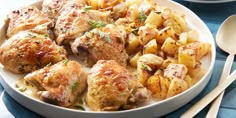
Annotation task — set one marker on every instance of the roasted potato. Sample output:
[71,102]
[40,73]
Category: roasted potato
[147,63]
[170,46]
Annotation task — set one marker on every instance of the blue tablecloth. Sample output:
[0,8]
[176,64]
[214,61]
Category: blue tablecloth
[213,15]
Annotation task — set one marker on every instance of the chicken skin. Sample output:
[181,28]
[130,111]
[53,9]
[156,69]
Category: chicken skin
[27,51]
[27,18]
[106,43]
[74,21]
[111,87]
[51,8]
[59,84]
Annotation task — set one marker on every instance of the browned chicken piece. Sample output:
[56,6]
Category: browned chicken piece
[59,84]
[27,18]
[111,87]
[27,51]
[52,7]
[75,20]
[107,43]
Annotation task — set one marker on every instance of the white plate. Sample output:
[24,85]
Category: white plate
[152,110]
[210,1]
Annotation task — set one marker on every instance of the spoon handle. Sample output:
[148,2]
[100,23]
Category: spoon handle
[209,97]
[212,113]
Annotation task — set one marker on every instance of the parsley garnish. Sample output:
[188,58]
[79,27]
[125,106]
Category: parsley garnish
[49,64]
[88,34]
[65,61]
[79,107]
[146,67]
[101,34]
[80,100]
[107,39]
[17,86]
[141,16]
[86,8]
[74,86]
[22,89]
[45,35]
[135,31]
[95,24]
[157,12]
[31,35]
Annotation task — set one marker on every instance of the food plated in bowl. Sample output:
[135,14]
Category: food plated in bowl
[155,50]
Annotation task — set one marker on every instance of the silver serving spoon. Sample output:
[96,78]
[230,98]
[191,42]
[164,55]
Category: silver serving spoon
[226,40]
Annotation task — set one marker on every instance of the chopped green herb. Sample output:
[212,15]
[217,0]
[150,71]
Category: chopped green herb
[74,86]
[101,34]
[65,61]
[135,31]
[88,34]
[31,35]
[79,107]
[107,39]
[80,100]
[45,35]
[136,75]
[157,12]
[95,24]
[17,86]
[22,89]
[146,67]
[86,8]
[49,64]
[141,17]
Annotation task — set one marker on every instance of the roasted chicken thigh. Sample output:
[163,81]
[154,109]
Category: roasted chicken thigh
[74,20]
[111,87]
[60,83]
[27,18]
[27,51]
[106,43]
[52,8]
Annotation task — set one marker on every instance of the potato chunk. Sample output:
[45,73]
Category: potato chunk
[170,46]
[147,64]
[178,71]
[187,57]
[151,47]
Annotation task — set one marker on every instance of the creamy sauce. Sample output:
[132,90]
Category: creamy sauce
[27,88]
[31,91]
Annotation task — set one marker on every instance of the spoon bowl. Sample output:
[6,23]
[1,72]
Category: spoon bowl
[226,35]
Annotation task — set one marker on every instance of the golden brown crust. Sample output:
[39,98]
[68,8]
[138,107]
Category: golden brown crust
[59,84]
[111,87]
[27,51]
[73,21]
[27,18]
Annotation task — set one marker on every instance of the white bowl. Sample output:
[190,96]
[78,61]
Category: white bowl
[153,110]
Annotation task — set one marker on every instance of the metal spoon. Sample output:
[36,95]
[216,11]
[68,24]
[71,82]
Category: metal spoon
[226,40]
